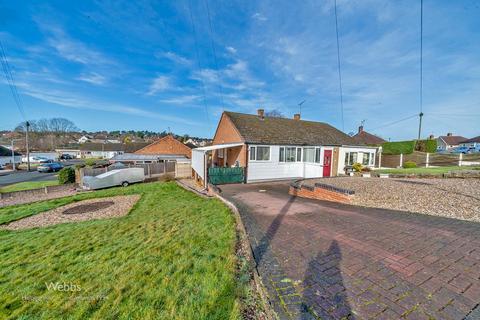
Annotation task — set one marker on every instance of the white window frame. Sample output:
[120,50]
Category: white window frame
[309,148]
[280,154]
[254,153]
[347,158]
[301,154]
[294,154]
[319,150]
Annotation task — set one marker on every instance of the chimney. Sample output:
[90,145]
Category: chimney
[360,129]
[449,134]
[261,113]
[296,116]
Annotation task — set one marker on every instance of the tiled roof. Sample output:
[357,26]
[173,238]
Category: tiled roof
[364,137]
[475,139]
[453,140]
[125,147]
[282,131]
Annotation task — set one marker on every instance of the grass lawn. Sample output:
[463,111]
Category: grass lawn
[28,185]
[172,256]
[439,170]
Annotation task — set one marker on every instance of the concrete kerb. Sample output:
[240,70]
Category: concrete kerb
[262,291]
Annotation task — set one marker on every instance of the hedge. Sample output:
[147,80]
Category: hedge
[407,147]
[398,147]
[66,175]
[429,146]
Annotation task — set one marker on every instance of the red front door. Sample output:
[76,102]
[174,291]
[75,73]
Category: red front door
[327,162]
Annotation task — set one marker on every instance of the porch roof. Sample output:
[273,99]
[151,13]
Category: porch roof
[218,146]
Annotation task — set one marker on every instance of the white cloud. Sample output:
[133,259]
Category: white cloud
[93,78]
[70,100]
[72,49]
[232,50]
[159,84]
[259,16]
[188,99]
[178,59]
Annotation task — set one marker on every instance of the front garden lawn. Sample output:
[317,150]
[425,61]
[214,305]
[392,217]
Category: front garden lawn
[431,170]
[28,185]
[171,257]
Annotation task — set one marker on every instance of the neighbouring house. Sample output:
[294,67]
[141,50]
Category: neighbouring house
[449,142]
[100,150]
[362,137]
[269,148]
[471,143]
[167,145]
[134,158]
[84,139]
[7,158]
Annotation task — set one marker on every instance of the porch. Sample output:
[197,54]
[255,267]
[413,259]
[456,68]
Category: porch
[219,164]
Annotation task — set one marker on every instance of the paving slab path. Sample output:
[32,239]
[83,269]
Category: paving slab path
[333,261]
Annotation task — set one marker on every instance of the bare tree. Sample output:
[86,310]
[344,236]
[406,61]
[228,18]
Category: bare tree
[274,113]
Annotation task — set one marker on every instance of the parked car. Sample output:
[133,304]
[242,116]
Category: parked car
[117,177]
[50,167]
[66,157]
[461,150]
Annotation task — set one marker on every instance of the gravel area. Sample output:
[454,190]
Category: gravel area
[454,198]
[26,197]
[91,209]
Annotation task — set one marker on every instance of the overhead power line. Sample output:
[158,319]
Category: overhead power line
[214,51]
[339,67]
[388,124]
[197,54]
[11,82]
[421,72]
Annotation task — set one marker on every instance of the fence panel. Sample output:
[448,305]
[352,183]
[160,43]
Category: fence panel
[225,175]
[443,160]
[183,170]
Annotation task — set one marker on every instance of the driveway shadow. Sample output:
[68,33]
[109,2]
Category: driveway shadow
[267,238]
[324,292]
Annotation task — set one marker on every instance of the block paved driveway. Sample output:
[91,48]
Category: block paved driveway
[332,261]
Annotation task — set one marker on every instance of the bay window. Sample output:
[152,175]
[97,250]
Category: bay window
[260,153]
[290,154]
[309,154]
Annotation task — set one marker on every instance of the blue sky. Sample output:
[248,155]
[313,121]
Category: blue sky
[112,65]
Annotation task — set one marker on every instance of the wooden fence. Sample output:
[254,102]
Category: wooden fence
[423,159]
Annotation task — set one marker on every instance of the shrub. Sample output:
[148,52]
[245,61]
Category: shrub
[66,175]
[409,164]
[357,167]
[398,147]
[429,146]
[90,162]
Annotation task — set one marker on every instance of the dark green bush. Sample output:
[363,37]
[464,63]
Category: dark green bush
[66,175]
[398,147]
[90,162]
[409,164]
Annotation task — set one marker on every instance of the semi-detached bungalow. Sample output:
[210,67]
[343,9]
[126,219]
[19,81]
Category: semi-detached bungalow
[270,148]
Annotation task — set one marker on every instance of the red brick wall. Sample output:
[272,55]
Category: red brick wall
[166,145]
[320,194]
[227,133]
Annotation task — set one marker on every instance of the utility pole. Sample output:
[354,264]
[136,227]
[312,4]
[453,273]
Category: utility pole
[27,124]
[13,157]
[420,126]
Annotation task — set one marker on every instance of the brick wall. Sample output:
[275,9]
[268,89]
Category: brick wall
[319,193]
[227,133]
[166,145]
